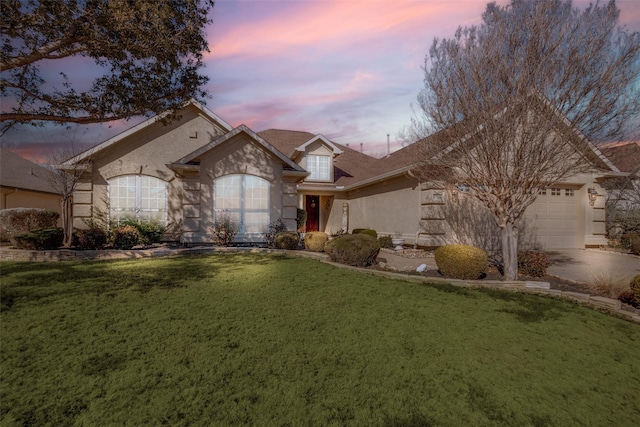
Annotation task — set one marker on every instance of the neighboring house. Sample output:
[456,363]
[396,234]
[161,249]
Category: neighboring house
[190,171]
[624,192]
[24,184]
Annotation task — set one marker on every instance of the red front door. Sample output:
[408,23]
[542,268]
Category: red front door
[312,206]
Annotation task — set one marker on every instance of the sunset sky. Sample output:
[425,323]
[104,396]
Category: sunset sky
[348,69]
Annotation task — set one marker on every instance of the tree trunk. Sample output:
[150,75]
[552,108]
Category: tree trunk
[67,220]
[510,250]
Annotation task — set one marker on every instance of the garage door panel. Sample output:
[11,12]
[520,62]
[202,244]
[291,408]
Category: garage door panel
[554,219]
[555,208]
[541,208]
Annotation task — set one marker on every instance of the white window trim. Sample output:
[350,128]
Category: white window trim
[311,158]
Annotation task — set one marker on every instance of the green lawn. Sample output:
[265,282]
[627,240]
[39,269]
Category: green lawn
[268,340]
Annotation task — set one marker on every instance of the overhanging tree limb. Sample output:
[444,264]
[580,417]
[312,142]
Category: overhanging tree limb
[149,54]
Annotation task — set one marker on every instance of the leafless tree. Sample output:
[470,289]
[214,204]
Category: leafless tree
[65,181]
[511,104]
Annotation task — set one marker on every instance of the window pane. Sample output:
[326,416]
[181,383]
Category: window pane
[245,198]
[255,222]
[138,196]
[318,167]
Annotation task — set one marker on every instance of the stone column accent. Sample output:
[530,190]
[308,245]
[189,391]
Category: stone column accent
[83,203]
[432,218]
[595,221]
[345,217]
[289,205]
[191,204]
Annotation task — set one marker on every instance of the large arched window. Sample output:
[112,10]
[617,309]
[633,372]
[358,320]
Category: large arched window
[245,198]
[138,196]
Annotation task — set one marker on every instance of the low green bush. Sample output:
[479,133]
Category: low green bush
[632,296]
[461,261]
[301,218]
[47,238]
[359,250]
[272,231]
[287,240]
[372,233]
[125,237]
[386,242]
[314,241]
[150,230]
[20,220]
[89,239]
[533,263]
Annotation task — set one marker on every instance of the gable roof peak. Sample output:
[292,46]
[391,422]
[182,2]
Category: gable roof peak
[140,126]
[232,133]
[319,137]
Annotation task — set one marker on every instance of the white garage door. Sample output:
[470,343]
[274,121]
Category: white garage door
[554,218]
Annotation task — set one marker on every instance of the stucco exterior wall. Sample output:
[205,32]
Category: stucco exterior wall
[146,152]
[237,156]
[389,207]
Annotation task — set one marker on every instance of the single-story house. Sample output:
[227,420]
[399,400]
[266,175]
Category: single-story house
[190,171]
[24,184]
[624,192]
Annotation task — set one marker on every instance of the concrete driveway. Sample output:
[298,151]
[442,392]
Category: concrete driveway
[580,265]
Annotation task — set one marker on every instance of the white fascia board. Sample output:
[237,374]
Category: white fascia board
[377,178]
[324,141]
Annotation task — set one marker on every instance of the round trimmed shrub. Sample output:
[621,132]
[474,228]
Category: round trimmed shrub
[635,287]
[358,250]
[632,296]
[314,241]
[46,238]
[287,240]
[125,237]
[372,233]
[461,261]
[89,239]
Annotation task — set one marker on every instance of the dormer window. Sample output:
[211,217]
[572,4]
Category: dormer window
[319,167]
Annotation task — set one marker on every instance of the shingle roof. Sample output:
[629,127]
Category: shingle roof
[625,155]
[349,167]
[18,172]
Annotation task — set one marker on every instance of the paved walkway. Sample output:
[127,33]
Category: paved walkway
[584,265]
[576,265]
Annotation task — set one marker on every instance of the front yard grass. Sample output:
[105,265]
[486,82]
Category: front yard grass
[265,339]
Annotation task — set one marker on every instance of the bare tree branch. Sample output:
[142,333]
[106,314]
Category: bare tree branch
[509,103]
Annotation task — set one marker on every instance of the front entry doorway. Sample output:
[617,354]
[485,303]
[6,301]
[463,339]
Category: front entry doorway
[312,206]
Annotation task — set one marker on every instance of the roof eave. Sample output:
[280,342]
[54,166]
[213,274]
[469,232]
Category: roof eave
[378,178]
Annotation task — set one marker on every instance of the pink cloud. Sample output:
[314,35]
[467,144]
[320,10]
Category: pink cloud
[330,25]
